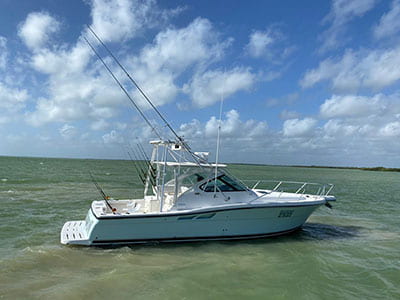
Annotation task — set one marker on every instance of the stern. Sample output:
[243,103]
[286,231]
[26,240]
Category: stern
[74,233]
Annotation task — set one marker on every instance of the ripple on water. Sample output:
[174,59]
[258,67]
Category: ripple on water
[350,252]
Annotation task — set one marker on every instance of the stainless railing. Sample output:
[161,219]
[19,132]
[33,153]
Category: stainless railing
[292,187]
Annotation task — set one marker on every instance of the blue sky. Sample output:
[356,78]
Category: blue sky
[303,82]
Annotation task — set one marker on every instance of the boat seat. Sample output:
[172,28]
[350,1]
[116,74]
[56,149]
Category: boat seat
[132,207]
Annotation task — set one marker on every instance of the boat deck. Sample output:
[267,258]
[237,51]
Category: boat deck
[151,205]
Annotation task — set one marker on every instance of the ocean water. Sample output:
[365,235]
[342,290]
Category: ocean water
[349,252]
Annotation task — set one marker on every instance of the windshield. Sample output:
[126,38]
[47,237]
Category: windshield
[188,178]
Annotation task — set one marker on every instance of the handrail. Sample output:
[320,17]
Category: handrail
[324,189]
[254,186]
[276,187]
[300,188]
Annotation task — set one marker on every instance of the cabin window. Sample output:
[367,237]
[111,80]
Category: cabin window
[224,184]
[192,179]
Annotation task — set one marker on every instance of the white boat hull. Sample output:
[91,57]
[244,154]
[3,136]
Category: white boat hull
[231,223]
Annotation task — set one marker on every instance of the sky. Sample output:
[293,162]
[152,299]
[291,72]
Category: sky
[300,82]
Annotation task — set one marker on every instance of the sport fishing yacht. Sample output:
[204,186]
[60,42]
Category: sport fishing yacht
[186,198]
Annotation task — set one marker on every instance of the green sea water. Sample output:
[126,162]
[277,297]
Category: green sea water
[350,252]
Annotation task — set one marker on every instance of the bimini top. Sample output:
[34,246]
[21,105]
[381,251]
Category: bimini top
[189,164]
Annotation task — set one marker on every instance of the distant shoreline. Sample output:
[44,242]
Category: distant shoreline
[380,169]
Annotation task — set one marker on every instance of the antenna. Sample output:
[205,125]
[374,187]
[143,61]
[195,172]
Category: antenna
[218,142]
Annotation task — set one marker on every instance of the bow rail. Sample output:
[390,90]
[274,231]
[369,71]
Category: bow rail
[296,187]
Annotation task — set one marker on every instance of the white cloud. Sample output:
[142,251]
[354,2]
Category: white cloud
[3,52]
[37,29]
[374,69]
[299,127]
[62,61]
[172,53]
[121,126]
[99,125]
[207,88]
[389,23]
[113,137]
[342,12]
[336,128]
[238,137]
[391,129]
[12,99]
[232,127]
[289,114]
[75,89]
[176,49]
[352,106]
[270,45]
[160,87]
[259,43]
[338,142]
[119,19]
[192,130]
[116,20]
[355,121]
[68,131]
[346,141]
[187,62]
[78,90]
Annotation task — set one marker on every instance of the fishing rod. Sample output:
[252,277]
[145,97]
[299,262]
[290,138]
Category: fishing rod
[141,149]
[144,166]
[105,197]
[125,91]
[147,162]
[137,169]
[140,160]
[151,171]
[136,85]
[179,138]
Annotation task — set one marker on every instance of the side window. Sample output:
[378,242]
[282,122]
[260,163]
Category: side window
[224,184]
[234,184]
[221,186]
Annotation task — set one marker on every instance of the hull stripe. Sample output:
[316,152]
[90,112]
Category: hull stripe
[192,239]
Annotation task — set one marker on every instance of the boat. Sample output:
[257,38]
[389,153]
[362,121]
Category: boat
[187,198]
